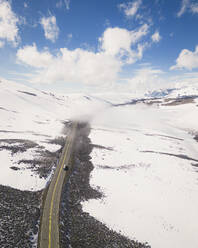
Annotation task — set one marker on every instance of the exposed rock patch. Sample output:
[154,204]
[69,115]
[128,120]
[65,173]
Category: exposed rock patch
[19,217]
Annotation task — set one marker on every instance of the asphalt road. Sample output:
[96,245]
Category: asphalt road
[49,229]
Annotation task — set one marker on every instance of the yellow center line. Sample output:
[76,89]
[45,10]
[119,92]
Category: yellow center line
[53,195]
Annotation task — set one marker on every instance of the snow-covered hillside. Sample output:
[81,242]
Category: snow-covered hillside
[29,120]
[121,98]
[145,155]
[146,162]
[30,123]
[184,91]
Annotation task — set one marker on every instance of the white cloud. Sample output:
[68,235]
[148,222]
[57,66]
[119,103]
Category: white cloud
[59,4]
[187,60]
[31,56]
[118,42]
[118,47]
[66,3]
[185,80]
[188,6]
[99,69]
[131,8]
[184,7]
[69,36]
[156,37]
[2,44]
[78,66]
[50,27]
[150,79]
[8,23]
[146,79]
[194,8]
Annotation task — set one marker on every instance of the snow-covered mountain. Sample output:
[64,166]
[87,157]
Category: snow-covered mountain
[173,92]
[114,98]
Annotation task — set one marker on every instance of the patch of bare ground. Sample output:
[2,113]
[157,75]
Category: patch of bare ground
[178,101]
[102,147]
[77,228]
[22,132]
[16,145]
[165,136]
[27,93]
[2,108]
[123,167]
[195,165]
[19,217]
[152,102]
[182,156]
[196,137]
[44,159]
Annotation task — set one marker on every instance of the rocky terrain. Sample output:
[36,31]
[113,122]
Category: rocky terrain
[19,217]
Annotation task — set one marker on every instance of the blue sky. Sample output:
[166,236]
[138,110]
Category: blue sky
[99,45]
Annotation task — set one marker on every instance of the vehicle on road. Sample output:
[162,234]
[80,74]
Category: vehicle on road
[66,168]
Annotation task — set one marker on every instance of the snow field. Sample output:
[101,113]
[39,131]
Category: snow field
[150,194]
[35,116]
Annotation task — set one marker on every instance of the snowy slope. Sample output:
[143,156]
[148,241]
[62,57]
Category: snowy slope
[174,92]
[33,119]
[148,172]
[27,115]
[185,91]
[120,98]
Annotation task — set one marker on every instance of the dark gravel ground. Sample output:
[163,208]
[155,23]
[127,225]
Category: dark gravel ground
[19,217]
[77,228]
